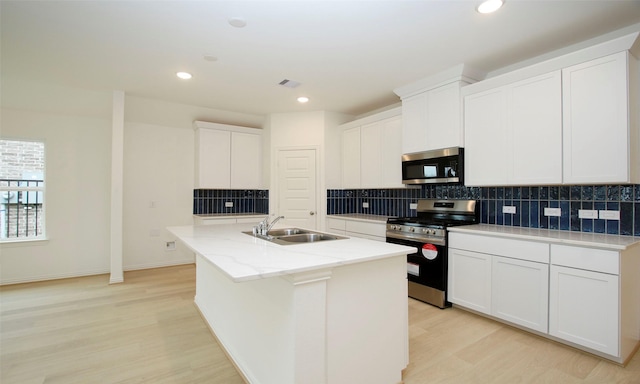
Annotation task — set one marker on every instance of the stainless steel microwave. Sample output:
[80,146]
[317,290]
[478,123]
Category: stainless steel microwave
[431,167]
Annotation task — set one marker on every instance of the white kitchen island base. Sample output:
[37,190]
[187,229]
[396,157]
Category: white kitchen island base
[341,325]
[328,312]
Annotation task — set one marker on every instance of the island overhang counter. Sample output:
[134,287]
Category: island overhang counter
[324,312]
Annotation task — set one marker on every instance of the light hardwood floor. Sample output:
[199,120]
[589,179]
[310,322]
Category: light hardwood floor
[147,330]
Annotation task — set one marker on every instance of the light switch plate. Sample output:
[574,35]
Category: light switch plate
[228,204]
[413,205]
[610,215]
[508,209]
[552,212]
[365,205]
[587,214]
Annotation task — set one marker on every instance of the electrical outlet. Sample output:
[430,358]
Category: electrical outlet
[365,205]
[170,246]
[587,214]
[508,209]
[413,205]
[610,215]
[228,204]
[552,212]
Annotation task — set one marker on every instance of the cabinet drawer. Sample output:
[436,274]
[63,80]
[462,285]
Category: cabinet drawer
[373,229]
[517,249]
[336,224]
[589,259]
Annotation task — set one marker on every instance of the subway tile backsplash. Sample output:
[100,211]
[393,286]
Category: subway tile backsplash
[529,202]
[209,201]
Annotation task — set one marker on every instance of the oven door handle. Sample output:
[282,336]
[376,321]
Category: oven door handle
[417,238]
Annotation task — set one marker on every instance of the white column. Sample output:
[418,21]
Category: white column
[117,167]
[310,326]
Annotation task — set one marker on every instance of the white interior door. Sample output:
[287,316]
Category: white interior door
[297,200]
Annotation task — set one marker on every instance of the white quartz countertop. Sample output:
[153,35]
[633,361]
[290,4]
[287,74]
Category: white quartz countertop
[244,257]
[593,240]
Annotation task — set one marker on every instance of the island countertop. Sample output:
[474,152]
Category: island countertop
[243,257]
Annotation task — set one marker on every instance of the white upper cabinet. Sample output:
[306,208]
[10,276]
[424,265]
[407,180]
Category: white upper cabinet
[574,123]
[596,119]
[431,119]
[372,152]
[514,133]
[351,158]
[227,157]
[432,110]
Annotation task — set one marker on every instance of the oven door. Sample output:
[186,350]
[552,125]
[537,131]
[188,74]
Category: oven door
[426,271]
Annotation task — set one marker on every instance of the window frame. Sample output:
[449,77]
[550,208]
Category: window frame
[23,186]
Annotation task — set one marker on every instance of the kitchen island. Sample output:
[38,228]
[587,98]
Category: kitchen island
[324,312]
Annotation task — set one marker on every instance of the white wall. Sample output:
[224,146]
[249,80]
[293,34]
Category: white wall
[158,180]
[77,152]
[314,129]
[158,167]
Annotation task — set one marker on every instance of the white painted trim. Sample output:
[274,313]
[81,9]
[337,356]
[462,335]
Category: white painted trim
[117,177]
[33,279]
[162,264]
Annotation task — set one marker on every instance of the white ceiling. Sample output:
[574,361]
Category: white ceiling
[348,55]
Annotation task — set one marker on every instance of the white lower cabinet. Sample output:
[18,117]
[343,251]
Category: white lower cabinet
[584,308]
[470,280]
[584,302]
[504,278]
[371,230]
[584,296]
[519,292]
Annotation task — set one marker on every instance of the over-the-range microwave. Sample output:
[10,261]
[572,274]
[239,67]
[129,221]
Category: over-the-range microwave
[431,167]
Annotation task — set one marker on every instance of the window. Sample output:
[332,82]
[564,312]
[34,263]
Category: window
[21,190]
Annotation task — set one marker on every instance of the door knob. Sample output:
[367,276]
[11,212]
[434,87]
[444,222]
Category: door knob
[312,213]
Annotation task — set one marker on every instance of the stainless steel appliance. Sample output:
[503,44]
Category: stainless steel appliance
[427,233]
[437,166]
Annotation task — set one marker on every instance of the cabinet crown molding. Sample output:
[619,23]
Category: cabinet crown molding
[550,62]
[460,72]
[197,124]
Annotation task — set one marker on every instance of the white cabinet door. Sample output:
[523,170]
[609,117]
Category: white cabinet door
[351,158]
[444,127]
[485,138]
[520,292]
[431,119]
[583,308]
[213,158]
[534,128]
[246,161]
[414,123]
[371,149]
[595,121]
[469,280]
[513,133]
[391,142]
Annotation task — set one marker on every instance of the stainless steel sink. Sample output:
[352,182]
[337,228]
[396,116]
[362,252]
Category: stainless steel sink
[291,236]
[285,232]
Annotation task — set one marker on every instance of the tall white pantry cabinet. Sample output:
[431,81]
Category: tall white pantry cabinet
[227,156]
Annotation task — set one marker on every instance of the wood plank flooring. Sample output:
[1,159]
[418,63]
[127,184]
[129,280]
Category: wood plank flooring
[147,330]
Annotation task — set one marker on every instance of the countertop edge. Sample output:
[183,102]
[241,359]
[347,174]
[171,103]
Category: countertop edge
[591,240]
[360,217]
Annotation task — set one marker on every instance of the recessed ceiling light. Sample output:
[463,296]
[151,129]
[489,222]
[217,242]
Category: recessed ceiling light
[237,22]
[184,75]
[489,6]
[303,99]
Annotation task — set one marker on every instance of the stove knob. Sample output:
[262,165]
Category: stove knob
[412,229]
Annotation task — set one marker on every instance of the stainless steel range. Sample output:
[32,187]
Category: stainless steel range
[427,232]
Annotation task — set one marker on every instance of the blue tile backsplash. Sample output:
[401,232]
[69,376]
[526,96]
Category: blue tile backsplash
[529,202]
[208,201]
